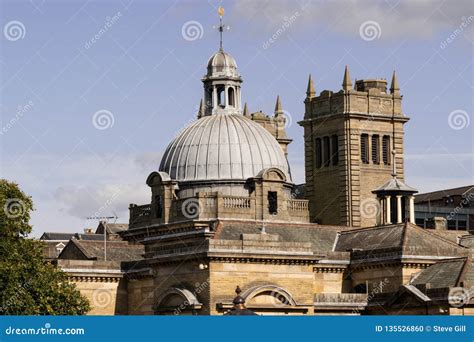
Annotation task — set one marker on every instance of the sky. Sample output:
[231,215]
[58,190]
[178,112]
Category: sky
[93,91]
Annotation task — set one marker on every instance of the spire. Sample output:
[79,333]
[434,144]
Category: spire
[278,106]
[310,92]
[346,83]
[201,109]
[394,88]
[246,110]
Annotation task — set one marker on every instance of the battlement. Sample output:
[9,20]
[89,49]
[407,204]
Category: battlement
[367,97]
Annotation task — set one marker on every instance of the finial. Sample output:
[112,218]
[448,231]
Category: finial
[394,88]
[221,12]
[310,92]
[238,290]
[246,110]
[278,106]
[346,83]
[201,109]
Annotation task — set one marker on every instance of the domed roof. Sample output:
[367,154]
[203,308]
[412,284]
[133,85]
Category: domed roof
[222,147]
[222,64]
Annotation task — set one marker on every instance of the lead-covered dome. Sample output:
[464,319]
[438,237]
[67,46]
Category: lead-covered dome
[222,64]
[222,147]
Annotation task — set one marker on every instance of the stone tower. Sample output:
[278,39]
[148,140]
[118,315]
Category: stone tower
[349,138]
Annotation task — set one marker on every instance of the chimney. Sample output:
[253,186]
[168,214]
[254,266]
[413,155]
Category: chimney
[438,223]
[88,231]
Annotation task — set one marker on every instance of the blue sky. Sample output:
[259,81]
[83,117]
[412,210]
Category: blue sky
[144,70]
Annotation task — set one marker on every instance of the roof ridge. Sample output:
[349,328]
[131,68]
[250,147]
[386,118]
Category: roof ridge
[370,228]
[463,272]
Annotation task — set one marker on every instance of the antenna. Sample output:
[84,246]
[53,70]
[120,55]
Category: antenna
[106,220]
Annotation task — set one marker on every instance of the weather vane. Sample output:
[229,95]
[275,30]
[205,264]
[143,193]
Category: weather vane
[221,27]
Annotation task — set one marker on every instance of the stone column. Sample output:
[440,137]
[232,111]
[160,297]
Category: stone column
[399,209]
[381,218]
[226,96]
[388,219]
[237,98]
[412,208]
[214,98]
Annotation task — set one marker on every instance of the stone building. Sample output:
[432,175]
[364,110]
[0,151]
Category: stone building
[455,205]
[223,213]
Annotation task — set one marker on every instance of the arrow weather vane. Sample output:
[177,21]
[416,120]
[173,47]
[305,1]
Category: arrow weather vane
[221,27]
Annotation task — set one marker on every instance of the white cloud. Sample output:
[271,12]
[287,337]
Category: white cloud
[67,190]
[404,18]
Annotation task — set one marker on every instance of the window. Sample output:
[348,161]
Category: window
[273,202]
[209,97]
[220,96]
[386,149]
[360,288]
[462,225]
[158,207]
[451,224]
[230,95]
[375,149]
[335,150]
[327,151]
[420,222]
[364,148]
[317,147]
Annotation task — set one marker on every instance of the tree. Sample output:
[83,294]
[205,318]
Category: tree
[29,285]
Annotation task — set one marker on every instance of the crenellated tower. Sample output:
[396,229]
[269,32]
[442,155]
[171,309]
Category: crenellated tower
[349,137]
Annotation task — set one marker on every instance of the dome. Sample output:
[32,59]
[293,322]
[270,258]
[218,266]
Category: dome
[222,64]
[222,147]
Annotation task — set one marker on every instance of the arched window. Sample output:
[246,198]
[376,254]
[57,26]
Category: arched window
[327,151]
[209,97]
[317,147]
[231,97]
[220,96]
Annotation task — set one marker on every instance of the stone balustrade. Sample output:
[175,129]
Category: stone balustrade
[297,204]
[236,202]
[140,213]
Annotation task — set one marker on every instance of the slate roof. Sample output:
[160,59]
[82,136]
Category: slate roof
[56,236]
[440,194]
[447,273]
[52,236]
[394,184]
[408,238]
[112,228]
[94,250]
[321,237]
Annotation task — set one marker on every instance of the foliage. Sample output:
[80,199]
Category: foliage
[30,285]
